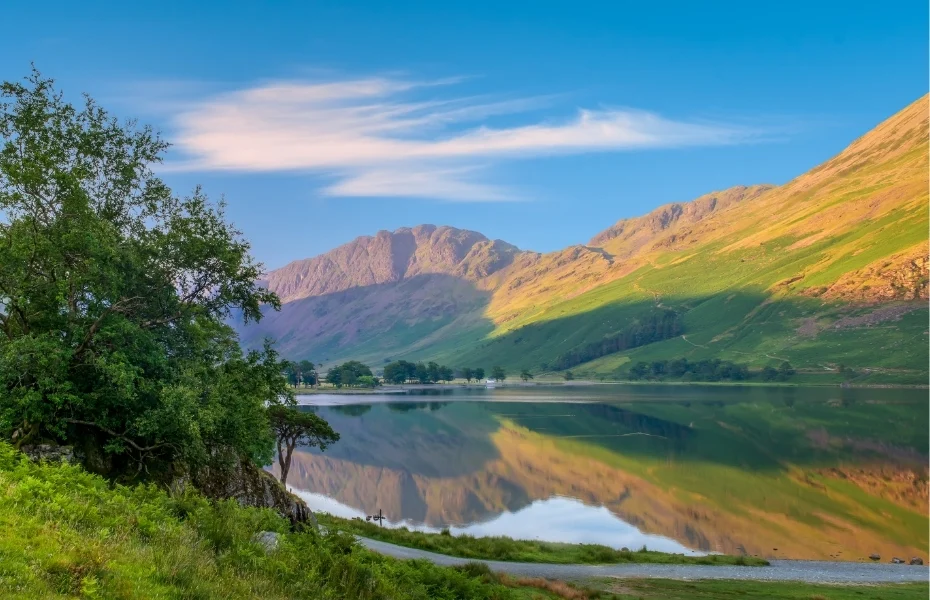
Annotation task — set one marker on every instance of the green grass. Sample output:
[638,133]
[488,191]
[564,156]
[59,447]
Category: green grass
[669,589]
[507,549]
[70,534]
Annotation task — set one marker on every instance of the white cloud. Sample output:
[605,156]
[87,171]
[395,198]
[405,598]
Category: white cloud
[379,137]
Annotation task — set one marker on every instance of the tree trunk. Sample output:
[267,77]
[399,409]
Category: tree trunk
[286,463]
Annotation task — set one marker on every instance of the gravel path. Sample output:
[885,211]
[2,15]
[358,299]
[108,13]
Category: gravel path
[780,570]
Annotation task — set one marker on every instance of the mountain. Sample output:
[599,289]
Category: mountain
[828,268]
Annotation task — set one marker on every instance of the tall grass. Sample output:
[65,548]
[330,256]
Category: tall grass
[67,534]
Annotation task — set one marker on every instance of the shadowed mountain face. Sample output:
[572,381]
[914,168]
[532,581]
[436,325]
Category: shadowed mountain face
[825,248]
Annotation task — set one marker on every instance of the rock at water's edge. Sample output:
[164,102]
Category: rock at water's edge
[875,556]
[917,560]
[897,561]
[252,486]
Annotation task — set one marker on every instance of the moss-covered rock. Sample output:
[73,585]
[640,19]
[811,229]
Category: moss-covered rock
[252,486]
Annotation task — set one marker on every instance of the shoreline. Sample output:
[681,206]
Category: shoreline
[403,389]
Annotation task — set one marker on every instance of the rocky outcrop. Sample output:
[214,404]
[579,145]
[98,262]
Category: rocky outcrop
[903,276]
[49,453]
[251,486]
[390,257]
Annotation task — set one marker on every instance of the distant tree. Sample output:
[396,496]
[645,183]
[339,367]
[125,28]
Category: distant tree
[639,370]
[348,373]
[289,370]
[433,371]
[467,374]
[769,373]
[498,373]
[308,369]
[568,375]
[367,381]
[422,373]
[525,375]
[446,374]
[292,427]
[652,327]
[334,377]
[785,371]
[399,371]
[479,374]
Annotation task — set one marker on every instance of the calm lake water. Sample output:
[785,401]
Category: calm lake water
[777,472]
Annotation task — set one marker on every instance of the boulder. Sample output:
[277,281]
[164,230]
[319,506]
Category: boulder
[252,486]
[917,560]
[875,556]
[897,561]
[49,453]
[268,540]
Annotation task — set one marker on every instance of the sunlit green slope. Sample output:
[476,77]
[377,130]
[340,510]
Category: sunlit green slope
[830,268]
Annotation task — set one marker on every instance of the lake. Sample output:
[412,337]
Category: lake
[815,473]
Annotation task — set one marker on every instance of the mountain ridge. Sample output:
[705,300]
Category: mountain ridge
[848,233]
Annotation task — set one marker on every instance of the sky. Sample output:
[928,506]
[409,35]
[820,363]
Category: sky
[539,123]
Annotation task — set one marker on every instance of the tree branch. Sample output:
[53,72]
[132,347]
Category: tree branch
[117,307]
[119,435]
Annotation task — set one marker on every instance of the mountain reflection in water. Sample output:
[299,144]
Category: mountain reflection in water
[554,520]
[815,473]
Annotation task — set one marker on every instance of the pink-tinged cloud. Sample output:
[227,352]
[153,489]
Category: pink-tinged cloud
[377,141]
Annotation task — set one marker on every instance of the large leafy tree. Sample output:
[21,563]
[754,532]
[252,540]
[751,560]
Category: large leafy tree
[114,296]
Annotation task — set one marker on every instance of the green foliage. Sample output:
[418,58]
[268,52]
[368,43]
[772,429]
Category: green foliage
[300,373]
[657,326]
[525,375]
[349,374]
[702,370]
[568,376]
[479,373]
[402,371]
[68,533]
[115,296]
[498,373]
[507,549]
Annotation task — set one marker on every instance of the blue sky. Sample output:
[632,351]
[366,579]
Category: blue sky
[540,123]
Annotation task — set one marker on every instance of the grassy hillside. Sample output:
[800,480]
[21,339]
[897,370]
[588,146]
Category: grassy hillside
[829,268]
[69,534]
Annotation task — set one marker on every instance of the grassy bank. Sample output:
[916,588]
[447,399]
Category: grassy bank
[503,548]
[69,534]
[669,589]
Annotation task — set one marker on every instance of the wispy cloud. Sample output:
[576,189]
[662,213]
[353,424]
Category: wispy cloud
[393,137]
